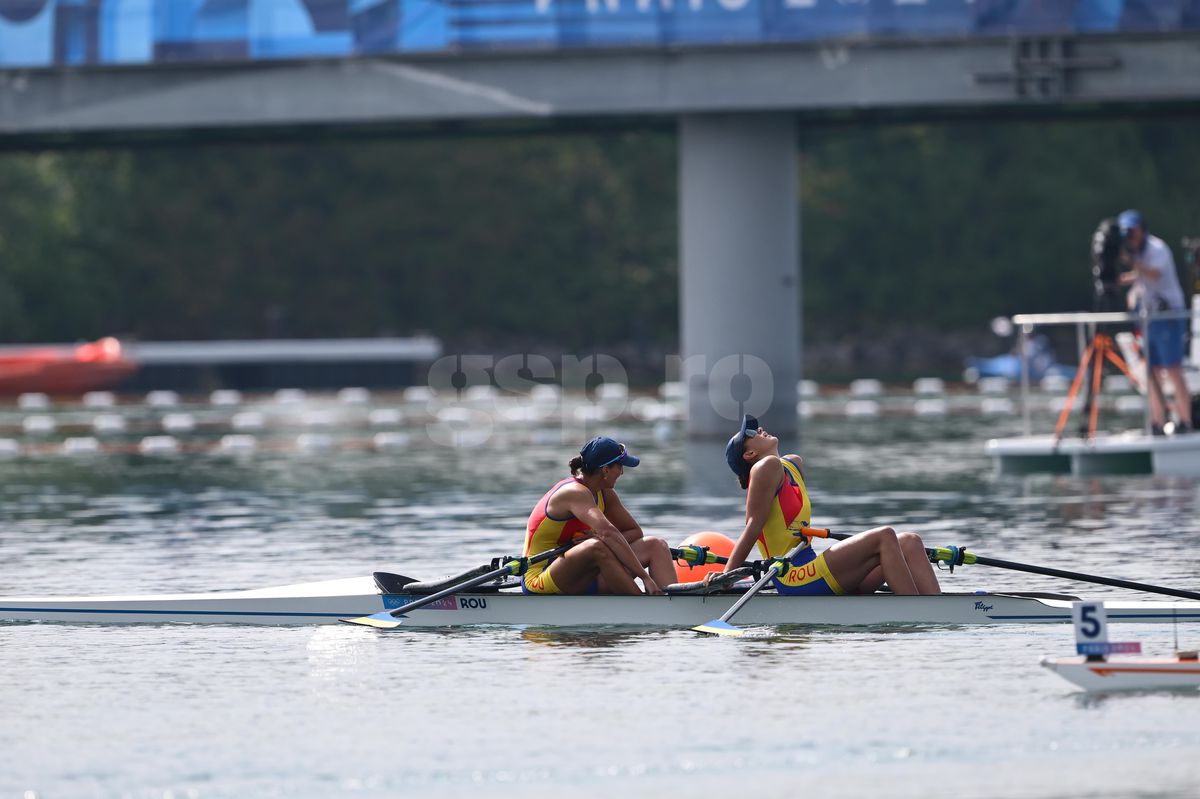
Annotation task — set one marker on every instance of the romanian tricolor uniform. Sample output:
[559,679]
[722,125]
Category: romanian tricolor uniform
[545,532]
[790,512]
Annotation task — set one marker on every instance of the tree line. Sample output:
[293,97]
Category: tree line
[563,242]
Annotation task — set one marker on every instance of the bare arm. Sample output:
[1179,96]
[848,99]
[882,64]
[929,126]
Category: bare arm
[578,500]
[1150,272]
[621,518]
[764,483]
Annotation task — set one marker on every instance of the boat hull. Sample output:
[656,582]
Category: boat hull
[327,602]
[63,370]
[1127,675]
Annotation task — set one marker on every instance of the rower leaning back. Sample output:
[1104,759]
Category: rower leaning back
[777,509]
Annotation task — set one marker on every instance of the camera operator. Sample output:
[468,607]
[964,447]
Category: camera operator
[1155,287]
[1107,247]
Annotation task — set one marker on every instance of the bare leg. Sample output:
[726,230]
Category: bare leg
[918,566]
[655,555]
[1154,391]
[872,582]
[574,570]
[852,561]
[1183,399]
[918,563]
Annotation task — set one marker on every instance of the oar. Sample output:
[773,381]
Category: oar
[957,556]
[722,626]
[391,619]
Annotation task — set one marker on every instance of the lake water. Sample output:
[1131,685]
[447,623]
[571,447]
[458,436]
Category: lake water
[224,711]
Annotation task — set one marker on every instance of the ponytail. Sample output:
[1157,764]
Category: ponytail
[576,465]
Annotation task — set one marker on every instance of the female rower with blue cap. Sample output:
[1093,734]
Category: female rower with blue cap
[777,508]
[613,550]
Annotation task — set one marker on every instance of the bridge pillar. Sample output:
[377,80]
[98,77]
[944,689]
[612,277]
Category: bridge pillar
[739,270]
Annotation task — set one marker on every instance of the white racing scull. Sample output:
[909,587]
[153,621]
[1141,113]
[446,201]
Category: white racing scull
[329,601]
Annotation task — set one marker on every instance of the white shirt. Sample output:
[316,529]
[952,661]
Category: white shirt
[1165,293]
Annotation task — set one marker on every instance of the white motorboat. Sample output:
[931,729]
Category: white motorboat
[1129,674]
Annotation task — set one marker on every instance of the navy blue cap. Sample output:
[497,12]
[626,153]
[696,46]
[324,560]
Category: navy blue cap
[1128,220]
[737,447]
[603,451]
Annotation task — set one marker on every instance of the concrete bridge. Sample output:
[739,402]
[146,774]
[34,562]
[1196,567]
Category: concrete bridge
[738,77]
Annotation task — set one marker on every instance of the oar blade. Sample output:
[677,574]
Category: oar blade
[718,627]
[382,621]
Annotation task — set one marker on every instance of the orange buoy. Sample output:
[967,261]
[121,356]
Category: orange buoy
[717,543]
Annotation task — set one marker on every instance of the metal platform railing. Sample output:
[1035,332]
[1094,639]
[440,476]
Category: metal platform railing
[1086,325]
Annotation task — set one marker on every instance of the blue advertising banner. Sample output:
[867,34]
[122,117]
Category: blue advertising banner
[49,33]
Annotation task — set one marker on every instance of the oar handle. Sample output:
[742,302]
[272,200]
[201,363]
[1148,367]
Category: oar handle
[513,566]
[694,555]
[822,532]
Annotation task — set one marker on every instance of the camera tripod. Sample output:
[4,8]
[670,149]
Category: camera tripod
[1099,349]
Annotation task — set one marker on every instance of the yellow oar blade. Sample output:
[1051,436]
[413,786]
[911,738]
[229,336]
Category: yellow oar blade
[382,621]
[718,627]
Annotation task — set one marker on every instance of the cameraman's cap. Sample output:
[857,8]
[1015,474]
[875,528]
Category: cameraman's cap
[603,451]
[737,447]
[1130,219]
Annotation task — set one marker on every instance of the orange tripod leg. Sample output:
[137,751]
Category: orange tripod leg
[1075,384]
[1097,370]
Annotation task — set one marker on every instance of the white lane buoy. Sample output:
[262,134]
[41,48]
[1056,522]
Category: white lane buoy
[106,423]
[247,420]
[480,393]
[390,440]
[162,399]
[158,445]
[992,385]
[385,417]
[290,396]
[33,400]
[237,443]
[1054,383]
[648,409]
[80,445]
[99,399]
[862,408]
[418,394]
[612,391]
[39,424]
[225,398]
[866,387]
[178,423]
[1117,384]
[929,385]
[9,448]
[318,419]
[354,396]
[545,392]
[996,406]
[930,407]
[314,442]
[672,389]
[1130,405]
